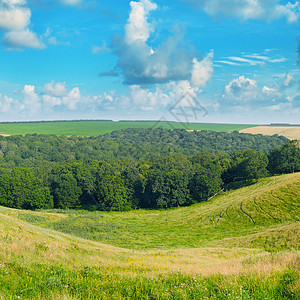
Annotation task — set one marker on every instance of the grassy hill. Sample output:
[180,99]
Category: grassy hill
[242,244]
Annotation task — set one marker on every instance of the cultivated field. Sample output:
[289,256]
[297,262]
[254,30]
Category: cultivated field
[290,132]
[240,245]
[95,128]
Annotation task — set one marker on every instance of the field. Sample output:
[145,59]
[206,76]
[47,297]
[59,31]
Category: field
[95,128]
[290,132]
[242,244]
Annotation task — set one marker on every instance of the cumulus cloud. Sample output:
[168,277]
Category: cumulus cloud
[15,18]
[271,93]
[138,27]
[56,100]
[5,103]
[55,89]
[246,97]
[31,101]
[249,9]
[202,70]
[140,63]
[241,89]
[147,100]
[14,15]
[22,39]
[56,94]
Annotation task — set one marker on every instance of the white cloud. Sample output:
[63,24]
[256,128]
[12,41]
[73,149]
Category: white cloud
[14,17]
[251,60]
[51,101]
[5,103]
[244,60]
[257,56]
[137,27]
[278,60]
[202,70]
[56,94]
[72,98]
[241,89]
[290,11]
[271,93]
[55,89]
[249,9]
[243,96]
[141,63]
[23,39]
[31,101]
[163,95]
[288,80]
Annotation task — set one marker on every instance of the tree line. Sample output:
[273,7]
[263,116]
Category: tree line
[30,150]
[55,177]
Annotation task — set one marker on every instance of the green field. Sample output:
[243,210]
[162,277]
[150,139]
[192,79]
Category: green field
[95,128]
[242,244]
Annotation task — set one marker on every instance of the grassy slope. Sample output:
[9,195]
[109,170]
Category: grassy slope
[94,128]
[250,214]
[209,250]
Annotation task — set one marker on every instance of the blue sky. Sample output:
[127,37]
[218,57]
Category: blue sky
[237,60]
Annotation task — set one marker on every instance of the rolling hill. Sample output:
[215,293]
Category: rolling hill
[239,245]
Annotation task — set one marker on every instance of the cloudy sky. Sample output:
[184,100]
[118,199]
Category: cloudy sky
[234,61]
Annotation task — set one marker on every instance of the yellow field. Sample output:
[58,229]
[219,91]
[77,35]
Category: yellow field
[292,133]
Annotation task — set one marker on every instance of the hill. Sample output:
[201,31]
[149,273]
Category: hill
[238,245]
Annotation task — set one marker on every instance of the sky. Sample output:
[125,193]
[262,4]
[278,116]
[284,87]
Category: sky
[208,61]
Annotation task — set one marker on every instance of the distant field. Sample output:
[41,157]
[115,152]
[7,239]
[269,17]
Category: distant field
[290,132]
[95,128]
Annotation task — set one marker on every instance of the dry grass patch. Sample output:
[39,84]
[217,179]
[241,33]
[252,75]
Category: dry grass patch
[290,132]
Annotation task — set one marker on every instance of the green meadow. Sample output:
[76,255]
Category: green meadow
[242,244]
[95,128]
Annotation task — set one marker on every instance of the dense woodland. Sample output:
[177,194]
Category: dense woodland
[136,168]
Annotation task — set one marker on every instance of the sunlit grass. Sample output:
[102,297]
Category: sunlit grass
[183,253]
[95,128]
[253,216]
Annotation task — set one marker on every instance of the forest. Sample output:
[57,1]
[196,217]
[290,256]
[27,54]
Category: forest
[136,168]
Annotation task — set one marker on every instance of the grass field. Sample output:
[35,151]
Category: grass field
[240,245]
[290,132]
[94,128]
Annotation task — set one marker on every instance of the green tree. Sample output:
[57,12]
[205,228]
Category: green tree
[206,181]
[111,193]
[24,190]
[254,165]
[64,188]
[285,159]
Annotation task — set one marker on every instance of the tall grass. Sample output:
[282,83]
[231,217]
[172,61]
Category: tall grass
[186,253]
[265,215]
